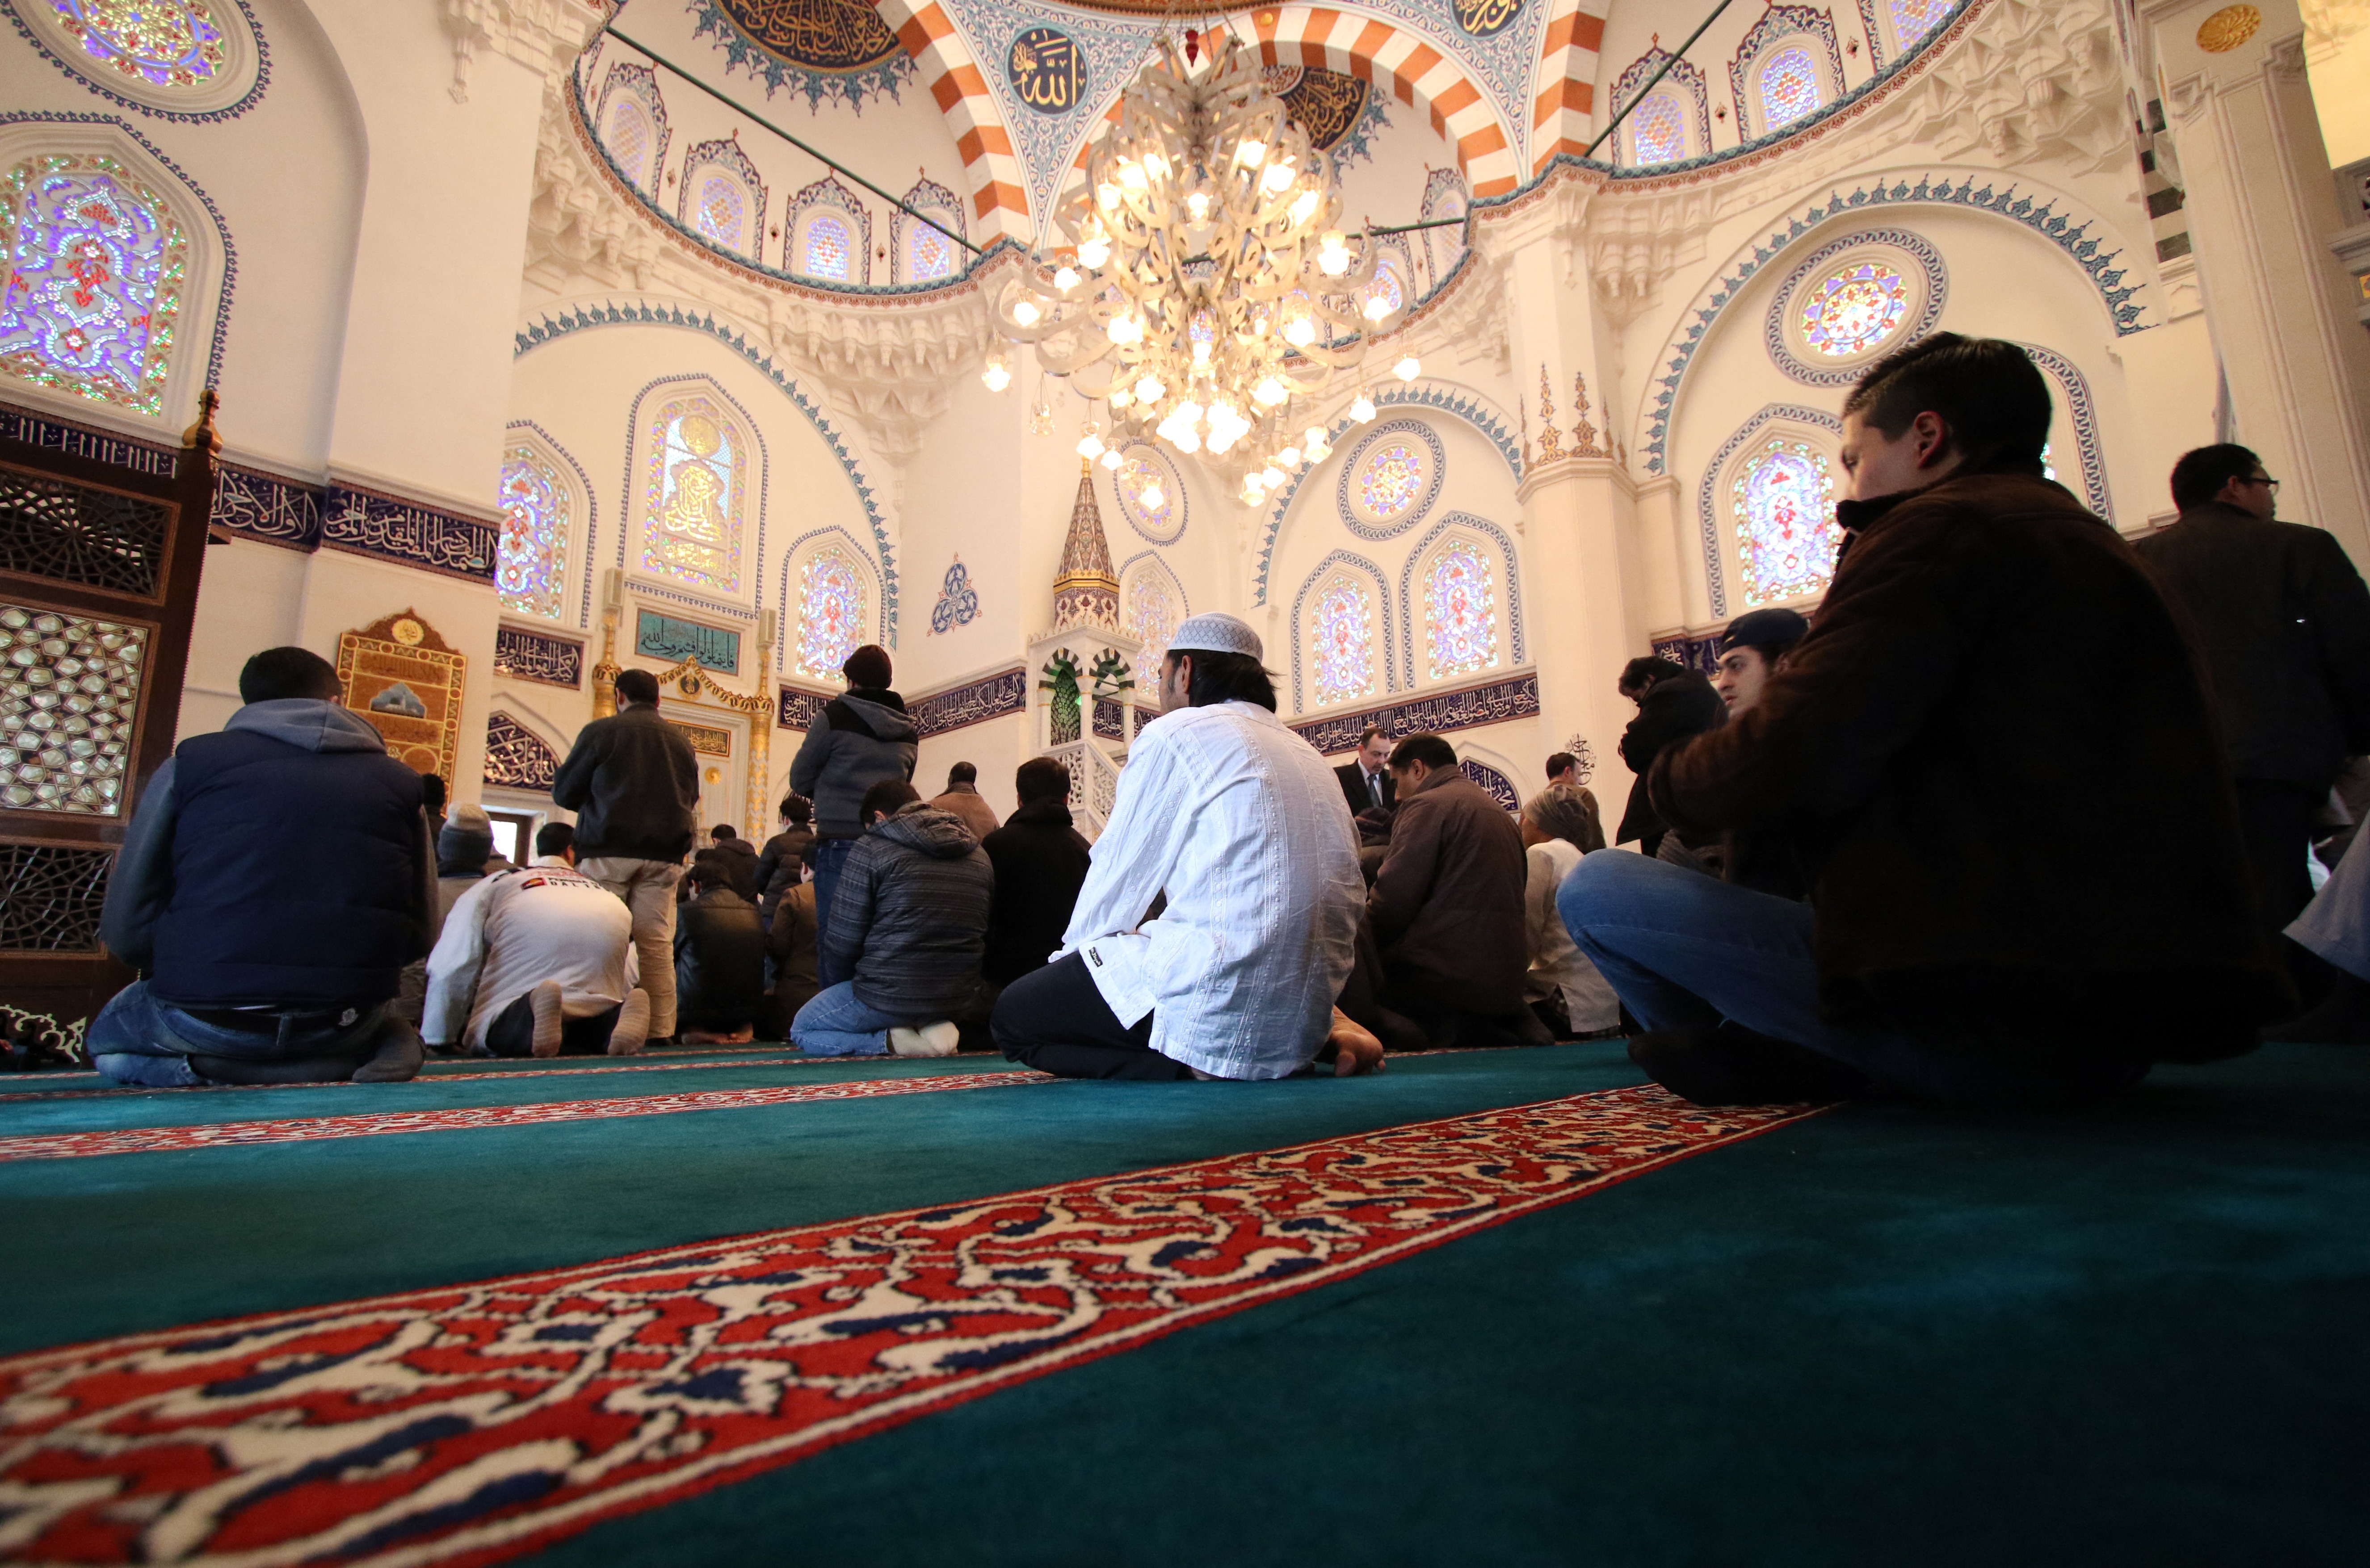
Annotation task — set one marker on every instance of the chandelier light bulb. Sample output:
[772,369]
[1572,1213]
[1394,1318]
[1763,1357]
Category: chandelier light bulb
[1107,196]
[1094,252]
[1090,445]
[1252,494]
[1271,476]
[996,375]
[1277,179]
[1197,206]
[1270,393]
[1156,166]
[1026,313]
[1333,253]
[1124,330]
[1375,308]
[1149,390]
[1152,497]
[1119,396]
[1251,154]
[1288,459]
[1300,332]
[1186,440]
[1409,368]
[1316,446]
[1201,353]
[1304,206]
[1131,180]
[1109,458]
[1362,410]
[1065,278]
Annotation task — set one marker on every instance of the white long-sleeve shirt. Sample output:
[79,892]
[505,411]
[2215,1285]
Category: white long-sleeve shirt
[545,921]
[1244,826]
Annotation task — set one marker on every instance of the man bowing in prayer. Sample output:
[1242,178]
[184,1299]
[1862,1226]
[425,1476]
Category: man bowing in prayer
[1242,826]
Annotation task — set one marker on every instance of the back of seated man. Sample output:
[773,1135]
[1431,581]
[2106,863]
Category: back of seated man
[1946,786]
[532,963]
[276,879]
[719,952]
[908,924]
[1040,862]
[1446,908]
[744,855]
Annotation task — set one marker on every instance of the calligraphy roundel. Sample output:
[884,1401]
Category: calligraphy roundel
[1487,19]
[1048,70]
[822,35]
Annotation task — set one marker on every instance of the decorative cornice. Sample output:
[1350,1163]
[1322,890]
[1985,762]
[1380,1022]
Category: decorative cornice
[543,35]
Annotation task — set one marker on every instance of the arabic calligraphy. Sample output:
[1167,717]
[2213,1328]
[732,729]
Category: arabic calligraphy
[822,35]
[380,525]
[990,697]
[553,661]
[705,739]
[1047,71]
[1325,104]
[1484,18]
[1492,704]
[663,637]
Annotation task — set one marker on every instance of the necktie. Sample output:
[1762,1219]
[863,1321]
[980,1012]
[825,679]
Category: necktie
[1375,788]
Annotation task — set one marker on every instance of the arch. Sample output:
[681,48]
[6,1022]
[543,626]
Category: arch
[723,196]
[2064,222]
[698,459]
[919,250]
[1151,603]
[789,654]
[740,339]
[1341,566]
[632,88]
[1688,98]
[1493,780]
[2082,418]
[999,197]
[170,255]
[1786,69]
[1563,93]
[1493,540]
[1779,421]
[828,227]
[517,755]
[1895,28]
[543,494]
[1445,194]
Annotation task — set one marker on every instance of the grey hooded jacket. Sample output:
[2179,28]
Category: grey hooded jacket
[859,740]
[909,920]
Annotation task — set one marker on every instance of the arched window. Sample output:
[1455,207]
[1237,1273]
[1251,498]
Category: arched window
[531,563]
[1152,619]
[696,494]
[629,140]
[723,196]
[1460,611]
[1907,22]
[721,209]
[633,123]
[1388,285]
[95,263]
[166,43]
[1783,501]
[1658,130]
[826,249]
[1673,121]
[1445,196]
[928,254]
[1789,87]
[1342,640]
[831,612]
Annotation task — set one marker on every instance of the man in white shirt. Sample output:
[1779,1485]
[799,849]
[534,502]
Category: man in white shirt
[1240,823]
[532,963]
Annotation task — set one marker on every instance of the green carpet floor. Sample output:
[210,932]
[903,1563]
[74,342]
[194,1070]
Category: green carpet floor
[2133,1336]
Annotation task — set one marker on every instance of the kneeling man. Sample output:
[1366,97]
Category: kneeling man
[533,963]
[1242,826]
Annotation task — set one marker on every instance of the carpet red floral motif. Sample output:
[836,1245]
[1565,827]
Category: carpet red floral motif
[473,1423]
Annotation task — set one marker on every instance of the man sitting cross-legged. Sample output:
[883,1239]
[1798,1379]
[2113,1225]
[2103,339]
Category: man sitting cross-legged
[276,879]
[532,963]
[1968,937]
[1244,829]
[908,924]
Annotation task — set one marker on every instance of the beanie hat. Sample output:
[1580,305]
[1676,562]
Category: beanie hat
[1773,632]
[867,669]
[1213,631]
[466,841]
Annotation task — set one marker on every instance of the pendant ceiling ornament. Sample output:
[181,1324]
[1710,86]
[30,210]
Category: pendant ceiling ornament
[1200,286]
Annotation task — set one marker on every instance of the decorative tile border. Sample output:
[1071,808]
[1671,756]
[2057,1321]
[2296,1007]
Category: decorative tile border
[428,1417]
[245,101]
[77,440]
[266,507]
[819,87]
[974,701]
[1467,707]
[2084,415]
[1699,654]
[530,655]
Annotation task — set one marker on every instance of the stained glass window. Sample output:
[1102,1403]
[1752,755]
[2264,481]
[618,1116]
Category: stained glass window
[1391,479]
[1913,20]
[93,264]
[1385,286]
[928,252]
[1658,128]
[1789,87]
[695,495]
[629,140]
[826,249]
[722,205]
[1138,480]
[1460,611]
[166,43]
[531,564]
[2048,469]
[1785,522]
[1152,617]
[1341,641]
[831,611]
[1853,309]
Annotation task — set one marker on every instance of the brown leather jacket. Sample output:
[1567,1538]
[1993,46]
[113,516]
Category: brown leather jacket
[1448,900]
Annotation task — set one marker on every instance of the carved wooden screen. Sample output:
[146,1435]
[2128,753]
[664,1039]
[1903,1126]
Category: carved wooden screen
[99,583]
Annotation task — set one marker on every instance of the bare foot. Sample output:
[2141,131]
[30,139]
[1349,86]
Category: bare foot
[1356,1051]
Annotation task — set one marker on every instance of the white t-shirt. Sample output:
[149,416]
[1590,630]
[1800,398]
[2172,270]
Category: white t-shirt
[545,921]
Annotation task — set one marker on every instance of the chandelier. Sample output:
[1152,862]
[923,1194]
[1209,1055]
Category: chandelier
[1202,288]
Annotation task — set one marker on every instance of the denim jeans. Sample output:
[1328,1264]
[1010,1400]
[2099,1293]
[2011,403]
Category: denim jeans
[835,1025]
[140,1039]
[1685,951]
[830,856]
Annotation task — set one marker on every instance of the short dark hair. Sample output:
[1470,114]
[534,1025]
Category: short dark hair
[886,798]
[278,674]
[2199,476]
[1560,761]
[1992,399]
[721,832]
[867,669]
[1430,750]
[554,838]
[1369,733]
[1224,678]
[432,793]
[797,807]
[962,773]
[1641,673]
[718,868]
[636,686]
[1041,778]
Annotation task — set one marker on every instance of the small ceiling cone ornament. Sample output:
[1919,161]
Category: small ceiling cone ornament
[1201,284]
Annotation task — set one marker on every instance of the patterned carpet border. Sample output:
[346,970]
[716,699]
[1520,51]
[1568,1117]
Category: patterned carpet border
[379,1124]
[473,1423]
[593,1067]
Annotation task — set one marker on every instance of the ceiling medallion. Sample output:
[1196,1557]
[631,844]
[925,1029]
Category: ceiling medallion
[2228,28]
[1199,286]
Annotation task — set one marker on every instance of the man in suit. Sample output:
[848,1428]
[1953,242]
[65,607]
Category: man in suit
[1366,781]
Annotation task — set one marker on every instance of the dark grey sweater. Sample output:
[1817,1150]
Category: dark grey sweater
[909,918]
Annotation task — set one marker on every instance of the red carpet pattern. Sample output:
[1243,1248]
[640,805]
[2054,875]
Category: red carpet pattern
[591,1067]
[475,1421]
[308,1129]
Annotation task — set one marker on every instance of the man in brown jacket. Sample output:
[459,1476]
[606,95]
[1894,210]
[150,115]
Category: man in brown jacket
[1993,682]
[1446,908]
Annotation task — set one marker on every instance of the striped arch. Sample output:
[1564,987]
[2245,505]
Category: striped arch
[1563,109]
[999,195]
[1488,147]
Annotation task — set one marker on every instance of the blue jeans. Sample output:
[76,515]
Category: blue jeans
[140,1039]
[835,1025]
[831,855]
[1686,951]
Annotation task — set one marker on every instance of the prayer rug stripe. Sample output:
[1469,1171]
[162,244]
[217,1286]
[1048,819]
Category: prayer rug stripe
[472,1423]
[308,1129]
[589,1070]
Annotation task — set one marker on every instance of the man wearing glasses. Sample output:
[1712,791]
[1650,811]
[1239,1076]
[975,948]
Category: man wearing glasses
[2282,621]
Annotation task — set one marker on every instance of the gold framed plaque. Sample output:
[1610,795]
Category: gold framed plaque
[405,681]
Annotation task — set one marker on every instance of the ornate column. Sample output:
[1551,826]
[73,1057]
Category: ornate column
[761,735]
[606,673]
[1077,662]
[2264,211]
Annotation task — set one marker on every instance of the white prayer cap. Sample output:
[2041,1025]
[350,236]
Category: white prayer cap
[1213,631]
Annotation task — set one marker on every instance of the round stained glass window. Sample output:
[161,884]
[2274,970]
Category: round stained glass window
[1852,310]
[1150,497]
[1390,479]
[166,43]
